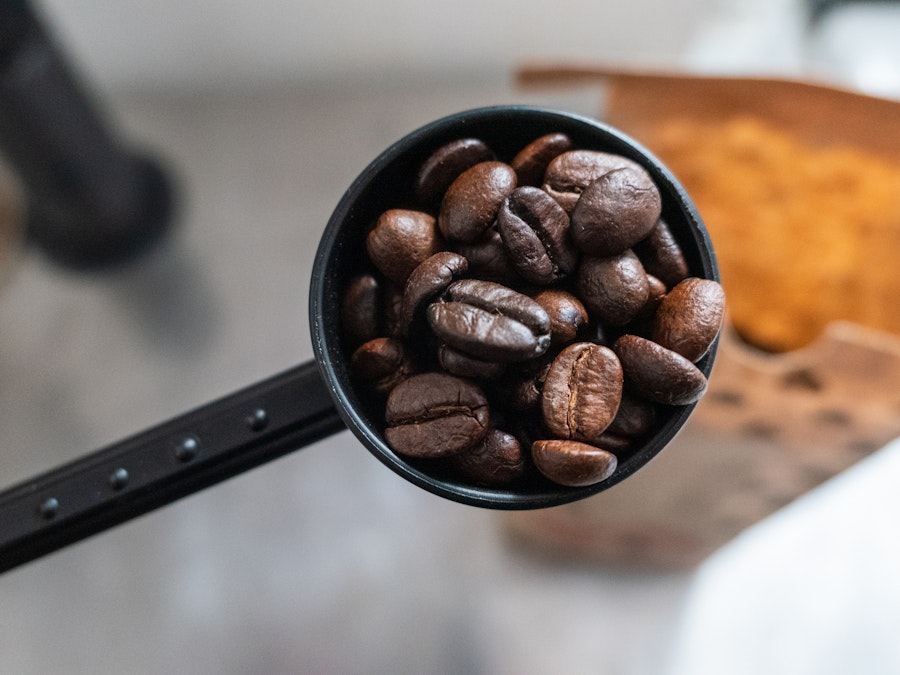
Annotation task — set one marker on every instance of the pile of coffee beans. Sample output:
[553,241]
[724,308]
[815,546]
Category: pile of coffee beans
[529,317]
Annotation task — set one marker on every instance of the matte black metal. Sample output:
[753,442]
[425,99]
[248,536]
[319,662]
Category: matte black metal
[92,202]
[316,399]
[387,183]
[149,470]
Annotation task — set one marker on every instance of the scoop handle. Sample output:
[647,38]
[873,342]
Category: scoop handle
[171,460]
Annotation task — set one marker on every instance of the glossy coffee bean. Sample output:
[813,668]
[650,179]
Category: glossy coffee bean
[615,212]
[613,289]
[662,256]
[521,388]
[569,174]
[572,463]
[568,316]
[659,374]
[531,162]
[428,280]
[490,321]
[362,309]
[461,364]
[393,308]
[471,202]
[689,317]
[497,461]
[435,415]
[582,392]
[488,259]
[642,323]
[382,363]
[445,165]
[509,313]
[635,418]
[400,240]
[535,231]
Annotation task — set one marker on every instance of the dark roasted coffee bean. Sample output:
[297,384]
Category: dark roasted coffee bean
[393,308]
[527,275]
[689,317]
[471,202]
[615,212]
[531,162]
[495,462]
[582,392]
[382,363]
[572,463]
[428,280]
[435,415]
[362,310]
[617,445]
[445,165]
[656,294]
[642,323]
[488,259]
[662,256]
[657,373]
[490,321]
[569,174]
[460,364]
[635,418]
[568,317]
[521,388]
[400,240]
[613,289]
[535,232]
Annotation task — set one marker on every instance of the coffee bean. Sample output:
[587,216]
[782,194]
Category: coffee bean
[531,162]
[499,313]
[425,282]
[400,240]
[635,418]
[361,309]
[393,308]
[568,317]
[656,293]
[490,321]
[535,231]
[435,415]
[488,259]
[471,202]
[495,462]
[642,323]
[382,363]
[613,289]
[689,317]
[657,373]
[569,174]
[662,256]
[582,391]
[617,445]
[572,463]
[445,165]
[460,364]
[615,212]
[521,389]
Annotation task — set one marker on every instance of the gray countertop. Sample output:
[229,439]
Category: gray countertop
[325,561]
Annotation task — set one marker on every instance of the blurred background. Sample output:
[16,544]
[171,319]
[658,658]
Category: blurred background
[324,561]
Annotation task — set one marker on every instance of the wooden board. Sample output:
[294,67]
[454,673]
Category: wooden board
[826,393]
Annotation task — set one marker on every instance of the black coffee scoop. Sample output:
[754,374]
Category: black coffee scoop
[318,398]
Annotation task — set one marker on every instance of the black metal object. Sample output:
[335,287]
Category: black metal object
[386,182]
[92,202]
[313,400]
[154,468]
